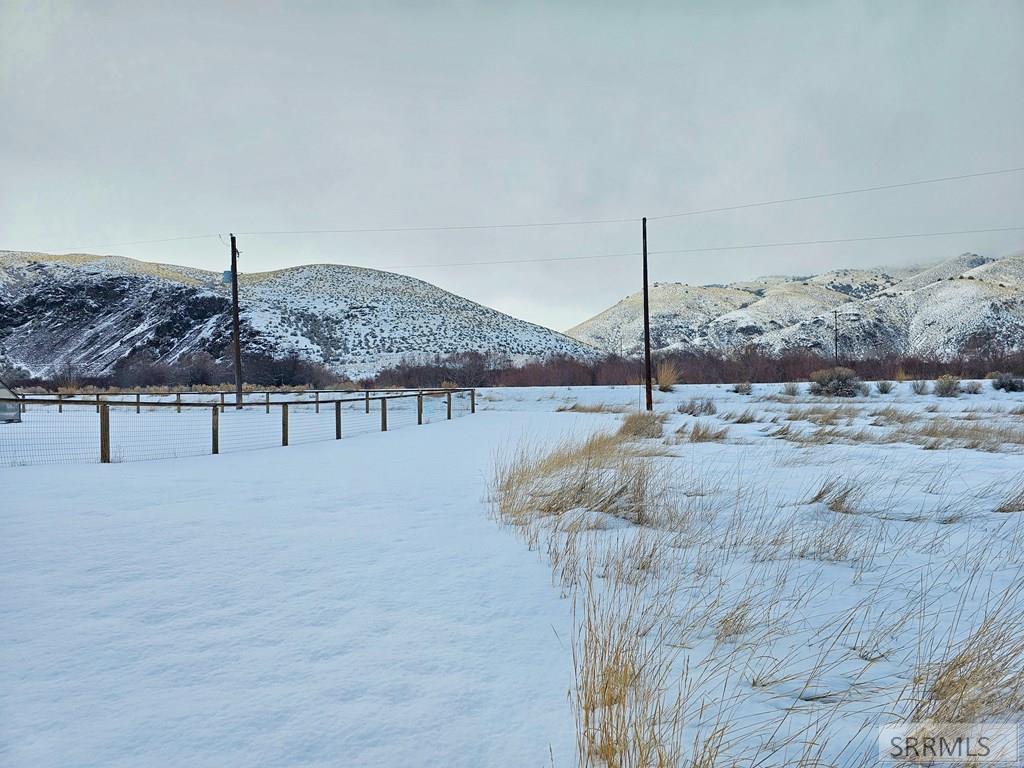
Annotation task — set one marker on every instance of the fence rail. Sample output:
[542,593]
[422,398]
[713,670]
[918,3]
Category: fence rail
[66,430]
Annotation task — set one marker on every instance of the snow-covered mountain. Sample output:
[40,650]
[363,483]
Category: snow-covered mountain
[966,303]
[93,311]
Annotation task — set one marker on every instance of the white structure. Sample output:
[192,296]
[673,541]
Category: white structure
[10,408]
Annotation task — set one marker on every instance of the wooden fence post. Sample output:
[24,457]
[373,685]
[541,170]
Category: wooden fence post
[316,395]
[138,403]
[337,419]
[215,430]
[222,402]
[104,411]
[97,403]
[177,400]
[284,423]
[383,414]
[60,403]
[268,402]
[419,408]
[367,401]
[472,401]
[449,405]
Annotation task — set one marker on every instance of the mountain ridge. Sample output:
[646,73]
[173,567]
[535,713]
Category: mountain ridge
[92,312]
[962,304]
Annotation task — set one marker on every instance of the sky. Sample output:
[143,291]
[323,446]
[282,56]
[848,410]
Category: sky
[134,121]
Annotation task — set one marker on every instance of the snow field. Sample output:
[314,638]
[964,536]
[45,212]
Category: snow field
[762,598]
[341,603]
[754,578]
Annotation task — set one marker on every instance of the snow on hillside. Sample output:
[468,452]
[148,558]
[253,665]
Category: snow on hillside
[677,311]
[966,303]
[92,311]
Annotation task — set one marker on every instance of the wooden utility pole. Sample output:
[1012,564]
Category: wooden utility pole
[647,328]
[836,314]
[235,333]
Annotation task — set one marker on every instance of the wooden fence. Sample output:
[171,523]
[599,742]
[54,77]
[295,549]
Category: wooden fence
[53,429]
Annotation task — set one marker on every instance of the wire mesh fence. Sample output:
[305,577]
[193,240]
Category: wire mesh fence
[122,427]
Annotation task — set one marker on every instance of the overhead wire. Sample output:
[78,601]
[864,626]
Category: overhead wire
[708,249]
[571,222]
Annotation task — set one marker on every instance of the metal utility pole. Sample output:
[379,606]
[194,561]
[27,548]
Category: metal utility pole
[647,328]
[836,313]
[235,335]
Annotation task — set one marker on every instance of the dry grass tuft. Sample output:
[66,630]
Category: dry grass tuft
[702,432]
[1014,500]
[622,671]
[839,495]
[943,433]
[823,415]
[599,475]
[887,416]
[667,375]
[980,677]
[594,408]
[747,416]
[643,424]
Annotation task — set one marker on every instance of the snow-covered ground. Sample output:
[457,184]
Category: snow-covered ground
[338,603]
[359,602]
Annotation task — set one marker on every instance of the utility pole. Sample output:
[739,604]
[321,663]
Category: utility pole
[647,328]
[836,313]
[235,334]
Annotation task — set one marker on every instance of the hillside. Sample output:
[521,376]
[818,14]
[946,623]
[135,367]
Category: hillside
[90,312]
[965,303]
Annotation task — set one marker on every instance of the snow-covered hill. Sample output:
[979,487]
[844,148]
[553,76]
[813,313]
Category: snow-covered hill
[93,311]
[965,303]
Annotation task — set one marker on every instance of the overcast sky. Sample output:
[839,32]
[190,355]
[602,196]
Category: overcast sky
[144,120]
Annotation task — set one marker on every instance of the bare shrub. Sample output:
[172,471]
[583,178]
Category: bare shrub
[791,389]
[698,407]
[836,382]
[1007,382]
[971,388]
[742,388]
[920,387]
[667,375]
[884,387]
[947,386]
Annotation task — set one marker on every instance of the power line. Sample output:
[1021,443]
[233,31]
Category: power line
[635,219]
[150,242]
[576,222]
[746,246]
[836,194]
